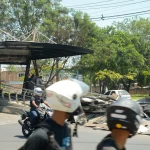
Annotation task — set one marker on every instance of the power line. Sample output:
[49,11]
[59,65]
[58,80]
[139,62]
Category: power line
[125,16]
[89,3]
[106,4]
[120,11]
[99,6]
[122,15]
[106,10]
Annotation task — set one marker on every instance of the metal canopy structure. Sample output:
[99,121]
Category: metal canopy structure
[18,52]
[21,53]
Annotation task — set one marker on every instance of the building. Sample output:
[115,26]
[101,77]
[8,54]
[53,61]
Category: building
[12,81]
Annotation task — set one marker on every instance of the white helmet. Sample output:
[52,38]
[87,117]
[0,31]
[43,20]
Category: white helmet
[65,95]
[38,91]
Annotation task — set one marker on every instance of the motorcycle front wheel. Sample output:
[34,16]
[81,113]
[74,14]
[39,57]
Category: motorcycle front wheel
[26,128]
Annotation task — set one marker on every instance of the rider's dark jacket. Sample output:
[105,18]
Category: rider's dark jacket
[108,143]
[49,136]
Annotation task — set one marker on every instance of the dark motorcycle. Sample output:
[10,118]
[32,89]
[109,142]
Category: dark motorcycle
[25,120]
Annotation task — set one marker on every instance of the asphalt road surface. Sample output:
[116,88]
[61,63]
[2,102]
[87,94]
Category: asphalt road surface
[11,139]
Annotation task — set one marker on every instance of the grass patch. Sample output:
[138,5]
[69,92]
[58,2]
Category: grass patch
[138,96]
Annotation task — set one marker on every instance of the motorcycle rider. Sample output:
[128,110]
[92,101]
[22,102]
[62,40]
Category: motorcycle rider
[35,102]
[123,120]
[64,98]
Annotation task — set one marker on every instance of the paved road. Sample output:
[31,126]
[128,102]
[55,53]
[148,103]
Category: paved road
[8,118]
[11,139]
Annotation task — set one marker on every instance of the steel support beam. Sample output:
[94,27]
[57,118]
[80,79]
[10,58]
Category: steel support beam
[35,68]
[27,72]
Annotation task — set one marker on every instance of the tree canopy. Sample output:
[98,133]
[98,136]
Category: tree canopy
[121,49]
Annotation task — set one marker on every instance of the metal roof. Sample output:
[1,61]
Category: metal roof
[18,52]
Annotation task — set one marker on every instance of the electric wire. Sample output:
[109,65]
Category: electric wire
[114,6]
[120,16]
[101,5]
[89,3]
[120,11]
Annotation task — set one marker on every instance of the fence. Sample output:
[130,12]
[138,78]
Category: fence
[14,93]
[140,91]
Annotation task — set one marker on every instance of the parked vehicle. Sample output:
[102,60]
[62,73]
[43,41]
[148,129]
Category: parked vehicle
[25,120]
[116,94]
[95,104]
[144,101]
[145,104]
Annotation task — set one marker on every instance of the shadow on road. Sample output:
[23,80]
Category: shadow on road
[20,136]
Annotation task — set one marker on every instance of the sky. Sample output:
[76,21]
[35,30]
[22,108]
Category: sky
[109,8]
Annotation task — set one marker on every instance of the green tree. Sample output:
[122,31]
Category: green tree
[143,78]
[140,29]
[57,23]
[106,78]
[114,50]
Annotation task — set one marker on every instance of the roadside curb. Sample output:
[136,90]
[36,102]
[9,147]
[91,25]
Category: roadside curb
[13,110]
[12,107]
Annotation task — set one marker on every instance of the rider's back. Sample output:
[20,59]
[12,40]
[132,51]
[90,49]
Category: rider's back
[49,136]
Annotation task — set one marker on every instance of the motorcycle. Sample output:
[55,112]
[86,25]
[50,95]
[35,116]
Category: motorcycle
[25,121]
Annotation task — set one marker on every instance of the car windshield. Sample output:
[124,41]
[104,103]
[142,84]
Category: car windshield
[123,92]
[107,93]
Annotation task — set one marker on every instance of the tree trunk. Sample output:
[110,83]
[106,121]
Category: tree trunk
[127,87]
[100,87]
[91,84]
[103,87]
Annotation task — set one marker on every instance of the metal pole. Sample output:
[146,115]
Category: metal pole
[1,90]
[34,61]
[35,68]
[34,34]
[57,67]
[27,72]
[0,77]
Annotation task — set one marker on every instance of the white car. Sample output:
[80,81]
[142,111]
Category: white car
[116,94]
